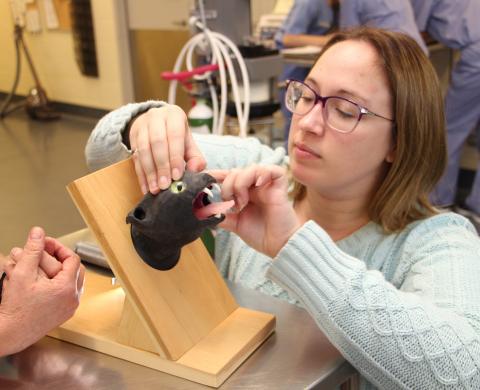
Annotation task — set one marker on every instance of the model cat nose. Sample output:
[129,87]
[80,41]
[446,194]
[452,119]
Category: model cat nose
[138,214]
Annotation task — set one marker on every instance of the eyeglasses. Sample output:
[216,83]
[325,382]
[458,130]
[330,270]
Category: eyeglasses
[339,113]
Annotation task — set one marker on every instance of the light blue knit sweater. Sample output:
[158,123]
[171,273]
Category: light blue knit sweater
[403,308]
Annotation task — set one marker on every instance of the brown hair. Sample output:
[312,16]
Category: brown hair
[417,104]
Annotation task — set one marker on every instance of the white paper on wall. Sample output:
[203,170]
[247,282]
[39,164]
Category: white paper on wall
[51,18]
[32,20]
[18,8]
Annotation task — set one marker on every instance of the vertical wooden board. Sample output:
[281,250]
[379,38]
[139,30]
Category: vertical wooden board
[180,306]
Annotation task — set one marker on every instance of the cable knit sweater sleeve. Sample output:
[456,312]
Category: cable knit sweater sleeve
[105,147]
[423,333]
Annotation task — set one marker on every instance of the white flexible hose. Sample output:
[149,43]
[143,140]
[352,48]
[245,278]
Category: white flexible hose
[222,50]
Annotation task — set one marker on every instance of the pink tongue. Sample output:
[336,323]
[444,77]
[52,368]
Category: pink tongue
[212,209]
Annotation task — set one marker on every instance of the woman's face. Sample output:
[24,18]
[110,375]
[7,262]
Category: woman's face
[343,165]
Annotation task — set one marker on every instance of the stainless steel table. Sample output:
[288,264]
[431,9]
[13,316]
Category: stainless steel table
[296,356]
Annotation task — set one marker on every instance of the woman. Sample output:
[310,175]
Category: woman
[390,281]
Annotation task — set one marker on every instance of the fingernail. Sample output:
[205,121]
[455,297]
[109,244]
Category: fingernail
[36,233]
[259,182]
[164,182]
[153,185]
[176,173]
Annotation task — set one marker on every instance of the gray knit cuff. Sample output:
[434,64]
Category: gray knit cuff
[313,268]
[105,146]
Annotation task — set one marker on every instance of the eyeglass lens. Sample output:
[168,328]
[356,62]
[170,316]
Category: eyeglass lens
[340,114]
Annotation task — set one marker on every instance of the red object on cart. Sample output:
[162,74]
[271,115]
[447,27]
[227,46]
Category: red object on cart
[184,76]
[188,74]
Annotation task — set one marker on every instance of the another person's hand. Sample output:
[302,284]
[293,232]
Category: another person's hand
[264,216]
[49,266]
[162,145]
[33,303]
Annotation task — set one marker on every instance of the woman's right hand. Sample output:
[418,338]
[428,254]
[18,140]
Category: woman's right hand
[162,145]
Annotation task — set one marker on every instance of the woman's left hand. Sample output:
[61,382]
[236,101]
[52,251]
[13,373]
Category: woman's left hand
[263,217]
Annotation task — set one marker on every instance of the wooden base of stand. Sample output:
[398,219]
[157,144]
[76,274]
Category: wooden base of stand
[99,324]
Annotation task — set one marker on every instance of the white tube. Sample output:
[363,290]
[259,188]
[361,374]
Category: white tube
[220,47]
[243,120]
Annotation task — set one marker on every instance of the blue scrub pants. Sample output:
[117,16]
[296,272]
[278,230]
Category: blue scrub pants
[463,114]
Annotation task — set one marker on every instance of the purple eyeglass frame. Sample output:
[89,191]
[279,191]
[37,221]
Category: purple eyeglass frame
[323,99]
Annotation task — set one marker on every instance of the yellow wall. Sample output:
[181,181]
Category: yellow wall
[54,59]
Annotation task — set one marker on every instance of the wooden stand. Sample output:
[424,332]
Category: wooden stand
[183,321]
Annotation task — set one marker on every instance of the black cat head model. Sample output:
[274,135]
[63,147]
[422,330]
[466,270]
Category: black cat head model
[162,224]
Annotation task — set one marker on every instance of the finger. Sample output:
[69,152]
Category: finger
[56,249]
[70,270]
[157,133]
[227,184]
[145,158]
[50,265]
[15,253]
[218,174]
[228,188]
[275,180]
[142,180]
[262,177]
[8,267]
[176,133]
[269,174]
[245,180]
[193,156]
[29,261]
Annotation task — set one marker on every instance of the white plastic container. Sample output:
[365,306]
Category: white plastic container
[200,117]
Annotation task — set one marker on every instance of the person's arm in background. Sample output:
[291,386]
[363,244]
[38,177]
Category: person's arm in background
[305,22]
[297,40]
[33,303]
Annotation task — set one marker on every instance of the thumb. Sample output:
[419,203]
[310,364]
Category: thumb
[29,260]
[193,156]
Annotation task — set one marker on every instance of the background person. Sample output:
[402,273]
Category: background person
[392,15]
[455,24]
